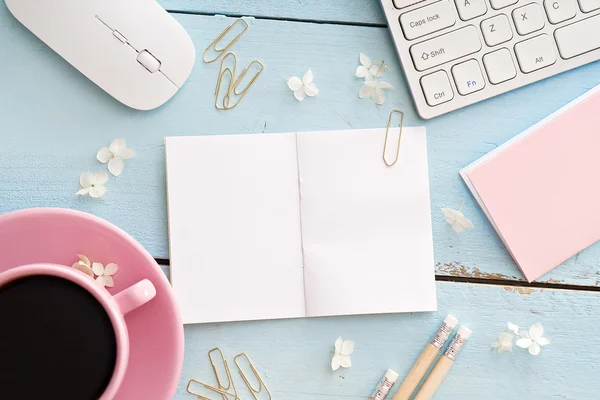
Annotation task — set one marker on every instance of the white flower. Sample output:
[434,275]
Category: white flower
[374,90]
[341,358]
[303,87]
[533,339]
[368,70]
[457,220]
[83,265]
[114,156]
[504,342]
[93,184]
[105,273]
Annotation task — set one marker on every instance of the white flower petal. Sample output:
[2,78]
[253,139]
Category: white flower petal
[534,349]
[524,343]
[108,281]
[361,72]
[83,268]
[336,362]
[83,192]
[377,70]
[101,178]
[513,328]
[466,223]
[347,347]
[366,91]
[448,215]
[111,269]
[294,83]
[116,166]
[458,228]
[101,280]
[126,154]
[365,60]
[500,350]
[378,96]
[543,341]
[346,361]
[338,345]
[84,259]
[506,338]
[308,77]
[536,331]
[495,345]
[98,268]
[117,145]
[524,334]
[311,89]
[383,85]
[97,191]
[104,155]
[86,179]
[299,94]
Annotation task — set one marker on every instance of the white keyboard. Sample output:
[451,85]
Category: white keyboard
[459,52]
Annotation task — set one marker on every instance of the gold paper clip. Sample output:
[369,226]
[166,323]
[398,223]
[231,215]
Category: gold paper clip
[223,393]
[214,44]
[238,81]
[261,383]
[230,384]
[222,72]
[387,131]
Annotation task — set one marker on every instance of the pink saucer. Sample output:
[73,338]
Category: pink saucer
[56,236]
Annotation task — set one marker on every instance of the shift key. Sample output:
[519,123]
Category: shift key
[444,48]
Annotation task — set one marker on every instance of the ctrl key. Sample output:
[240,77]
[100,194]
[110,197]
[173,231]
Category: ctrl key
[436,88]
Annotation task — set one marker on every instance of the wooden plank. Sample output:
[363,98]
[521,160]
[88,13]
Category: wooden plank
[336,11]
[294,355]
[54,121]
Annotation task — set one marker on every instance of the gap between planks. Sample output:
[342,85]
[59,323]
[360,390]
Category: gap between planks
[286,19]
[509,283]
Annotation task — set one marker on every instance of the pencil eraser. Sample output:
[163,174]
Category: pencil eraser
[391,376]
[464,332]
[451,321]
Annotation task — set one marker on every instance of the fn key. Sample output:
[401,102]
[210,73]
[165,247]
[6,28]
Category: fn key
[436,88]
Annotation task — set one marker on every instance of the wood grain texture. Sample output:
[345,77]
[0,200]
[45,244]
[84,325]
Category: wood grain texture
[294,356]
[350,11]
[54,120]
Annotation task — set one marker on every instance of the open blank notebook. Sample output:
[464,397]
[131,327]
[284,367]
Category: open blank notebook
[540,190]
[270,226]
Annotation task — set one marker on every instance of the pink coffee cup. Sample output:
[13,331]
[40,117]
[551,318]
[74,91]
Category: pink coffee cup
[116,308]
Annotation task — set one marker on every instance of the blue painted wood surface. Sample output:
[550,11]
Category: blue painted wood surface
[54,120]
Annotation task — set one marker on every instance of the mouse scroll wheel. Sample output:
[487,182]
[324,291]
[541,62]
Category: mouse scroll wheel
[148,61]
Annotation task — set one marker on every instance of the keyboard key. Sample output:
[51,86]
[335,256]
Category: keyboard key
[496,30]
[468,77]
[498,4]
[448,47]
[405,3]
[536,53]
[528,19]
[578,38]
[428,19]
[560,10]
[499,66]
[589,5]
[437,88]
[469,9]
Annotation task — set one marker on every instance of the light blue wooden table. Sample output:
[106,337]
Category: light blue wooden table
[53,120]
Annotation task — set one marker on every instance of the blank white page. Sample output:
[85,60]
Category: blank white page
[366,227]
[234,227]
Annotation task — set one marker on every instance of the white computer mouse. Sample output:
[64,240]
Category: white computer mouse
[133,49]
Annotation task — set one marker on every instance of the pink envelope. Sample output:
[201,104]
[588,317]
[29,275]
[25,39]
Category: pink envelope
[541,190]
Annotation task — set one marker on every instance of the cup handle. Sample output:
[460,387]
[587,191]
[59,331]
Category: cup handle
[135,296]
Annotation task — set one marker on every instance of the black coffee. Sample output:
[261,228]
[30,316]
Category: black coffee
[56,341]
